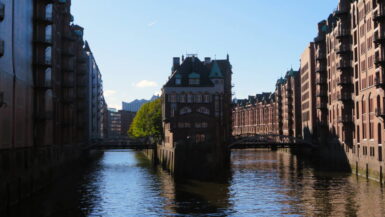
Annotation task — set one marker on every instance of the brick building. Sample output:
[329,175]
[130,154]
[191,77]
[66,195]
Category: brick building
[196,108]
[43,94]
[256,115]
[308,94]
[346,107]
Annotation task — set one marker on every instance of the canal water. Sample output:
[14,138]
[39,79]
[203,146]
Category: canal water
[262,183]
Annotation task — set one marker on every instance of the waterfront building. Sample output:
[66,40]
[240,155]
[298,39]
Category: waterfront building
[95,95]
[114,123]
[348,59]
[43,95]
[321,77]
[308,94]
[289,97]
[255,115]
[368,25]
[196,109]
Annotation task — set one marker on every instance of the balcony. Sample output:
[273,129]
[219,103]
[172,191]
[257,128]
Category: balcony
[379,37]
[344,81]
[321,94]
[343,48]
[378,15]
[320,69]
[44,85]
[68,51]
[379,81]
[289,92]
[82,69]
[68,100]
[319,39]
[69,66]
[82,94]
[82,59]
[343,64]
[44,19]
[320,56]
[341,11]
[346,119]
[69,83]
[322,105]
[44,115]
[379,60]
[44,63]
[321,80]
[342,32]
[68,36]
[380,112]
[344,97]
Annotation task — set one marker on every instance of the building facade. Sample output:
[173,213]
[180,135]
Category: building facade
[43,111]
[308,94]
[256,115]
[114,123]
[126,118]
[196,108]
[346,107]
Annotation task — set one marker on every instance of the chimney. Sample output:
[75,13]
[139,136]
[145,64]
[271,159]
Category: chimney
[175,63]
[207,60]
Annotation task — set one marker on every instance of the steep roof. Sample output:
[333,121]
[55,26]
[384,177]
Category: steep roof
[215,71]
[192,67]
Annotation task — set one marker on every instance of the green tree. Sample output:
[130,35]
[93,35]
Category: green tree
[147,123]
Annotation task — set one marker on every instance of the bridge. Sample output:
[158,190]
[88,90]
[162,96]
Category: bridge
[120,143]
[268,141]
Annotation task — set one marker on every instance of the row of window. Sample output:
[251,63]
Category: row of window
[189,98]
[196,125]
[187,110]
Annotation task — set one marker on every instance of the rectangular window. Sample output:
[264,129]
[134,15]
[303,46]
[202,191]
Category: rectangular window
[207,98]
[189,98]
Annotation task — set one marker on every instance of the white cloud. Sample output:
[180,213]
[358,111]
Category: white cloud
[108,93]
[153,23]
[158,93]
[146,83]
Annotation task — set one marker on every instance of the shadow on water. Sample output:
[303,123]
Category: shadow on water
[262,183]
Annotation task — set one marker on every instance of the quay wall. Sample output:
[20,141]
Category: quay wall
[26,171]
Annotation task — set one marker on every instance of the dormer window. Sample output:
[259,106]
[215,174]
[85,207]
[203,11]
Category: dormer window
[194,78]
[178,79]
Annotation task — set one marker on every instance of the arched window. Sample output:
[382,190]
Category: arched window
[48,33]
[204,110]
[185,110]
[378,107]
[48,12]
[48,55]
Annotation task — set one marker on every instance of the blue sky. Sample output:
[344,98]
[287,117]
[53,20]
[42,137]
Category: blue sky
[134,41]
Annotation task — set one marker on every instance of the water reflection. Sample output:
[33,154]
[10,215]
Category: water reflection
[262,183]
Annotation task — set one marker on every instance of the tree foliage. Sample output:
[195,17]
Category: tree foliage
[148,122]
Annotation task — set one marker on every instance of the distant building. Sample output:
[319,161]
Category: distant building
[135,105]
[114,123]
[95,95]
[126,118]
[308,93]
